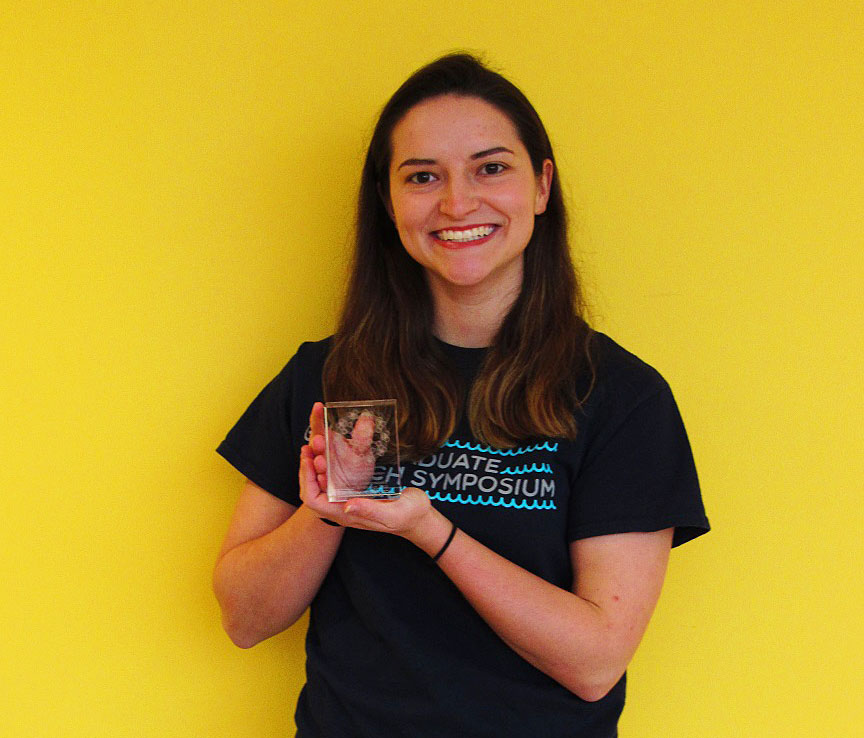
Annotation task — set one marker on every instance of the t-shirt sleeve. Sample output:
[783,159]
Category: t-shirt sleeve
[638,472]
[261,445]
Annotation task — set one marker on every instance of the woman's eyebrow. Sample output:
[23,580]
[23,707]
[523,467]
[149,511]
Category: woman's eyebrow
[416,162]
[490,152]
[478,155]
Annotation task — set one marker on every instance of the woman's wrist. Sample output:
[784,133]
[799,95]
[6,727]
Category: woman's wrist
[430,534]
[318,521]
[447,543]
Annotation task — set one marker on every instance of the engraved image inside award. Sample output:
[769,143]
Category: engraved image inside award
[362,447]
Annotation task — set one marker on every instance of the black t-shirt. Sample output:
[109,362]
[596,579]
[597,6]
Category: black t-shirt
[393,648]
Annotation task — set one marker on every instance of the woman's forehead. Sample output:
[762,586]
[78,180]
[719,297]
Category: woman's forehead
[451,125]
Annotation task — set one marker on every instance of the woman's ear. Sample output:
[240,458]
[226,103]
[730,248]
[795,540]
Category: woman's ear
[544,186]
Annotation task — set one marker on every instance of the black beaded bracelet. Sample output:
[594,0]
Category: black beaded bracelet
[446,543]
[329,522]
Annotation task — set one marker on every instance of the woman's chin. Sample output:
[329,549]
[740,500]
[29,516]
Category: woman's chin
[477,277]
[461,281]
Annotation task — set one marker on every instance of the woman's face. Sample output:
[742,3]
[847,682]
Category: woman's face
[463,193]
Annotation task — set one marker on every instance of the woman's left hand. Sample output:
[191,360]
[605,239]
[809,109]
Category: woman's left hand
[410,515]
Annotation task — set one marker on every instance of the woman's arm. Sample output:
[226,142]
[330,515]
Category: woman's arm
[582,638]
[272,563]
[273,559]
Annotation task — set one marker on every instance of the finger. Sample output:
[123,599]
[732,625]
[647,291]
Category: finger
[316,419]
[312,492]
[361,436]
[377,514]
[319,465]
[308,479]
[340,449]
[317,444]
[360,509]
[338,443]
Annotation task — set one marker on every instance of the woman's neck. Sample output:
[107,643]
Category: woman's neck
[469,317]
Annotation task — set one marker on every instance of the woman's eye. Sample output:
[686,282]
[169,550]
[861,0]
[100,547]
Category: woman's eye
[493,167]
[421,178]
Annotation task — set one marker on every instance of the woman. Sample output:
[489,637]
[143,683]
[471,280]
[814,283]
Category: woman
[549,474]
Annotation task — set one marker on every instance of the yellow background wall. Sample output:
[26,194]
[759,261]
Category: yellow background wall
[176,185]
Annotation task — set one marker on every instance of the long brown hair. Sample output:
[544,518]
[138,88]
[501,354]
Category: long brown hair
[527,386]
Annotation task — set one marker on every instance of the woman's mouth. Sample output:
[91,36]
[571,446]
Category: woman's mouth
[453,237]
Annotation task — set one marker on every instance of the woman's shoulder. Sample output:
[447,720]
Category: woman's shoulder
[304,367]
[312,353]
[620,374]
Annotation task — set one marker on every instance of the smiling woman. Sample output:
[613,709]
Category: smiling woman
[549,474]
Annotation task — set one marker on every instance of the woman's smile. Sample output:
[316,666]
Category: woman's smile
[457,237]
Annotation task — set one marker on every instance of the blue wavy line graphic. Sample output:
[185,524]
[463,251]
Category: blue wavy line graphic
[489,501]
[381,490]
[546,446]
[527,469]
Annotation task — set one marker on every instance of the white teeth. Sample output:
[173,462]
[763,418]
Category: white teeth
[472,234]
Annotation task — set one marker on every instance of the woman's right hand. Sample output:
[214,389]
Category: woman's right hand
[313,469]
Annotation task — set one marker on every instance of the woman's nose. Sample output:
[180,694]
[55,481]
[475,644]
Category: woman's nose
[458,199]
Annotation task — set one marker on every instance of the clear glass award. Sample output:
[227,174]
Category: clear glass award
[362,448]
